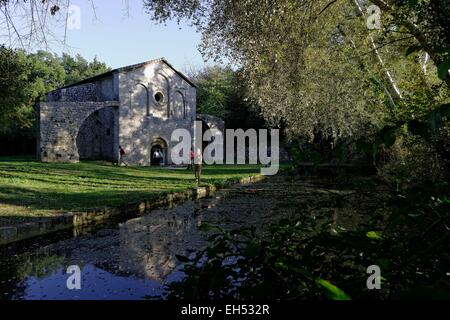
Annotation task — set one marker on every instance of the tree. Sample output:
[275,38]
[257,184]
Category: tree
[221,93]
[44,73]
[12,80]
[290,67]
[214,88]
[38,24]
[315,66]
[78,68]
[307,63]
[427,21]
[24,80]
[27,24]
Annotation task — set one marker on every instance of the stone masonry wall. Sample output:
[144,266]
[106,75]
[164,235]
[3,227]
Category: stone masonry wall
[60,123]
[144,120]
[85,122]
[96,91]
[95,140]
[81,93]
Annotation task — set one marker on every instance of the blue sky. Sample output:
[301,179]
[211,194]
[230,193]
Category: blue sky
[121,40]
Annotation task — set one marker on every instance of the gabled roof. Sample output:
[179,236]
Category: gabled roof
[128,68]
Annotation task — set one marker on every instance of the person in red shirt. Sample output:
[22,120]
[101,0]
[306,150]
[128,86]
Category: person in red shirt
[121,156]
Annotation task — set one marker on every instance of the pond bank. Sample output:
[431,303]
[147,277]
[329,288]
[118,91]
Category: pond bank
[9,234]
[134,257]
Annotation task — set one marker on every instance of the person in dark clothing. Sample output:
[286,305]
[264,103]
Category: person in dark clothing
[159,157]
[121,156]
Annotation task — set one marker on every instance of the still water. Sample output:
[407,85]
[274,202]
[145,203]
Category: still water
[136,257]
[126,259]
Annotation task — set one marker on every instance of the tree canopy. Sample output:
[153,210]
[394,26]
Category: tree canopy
[221,93]
[315,63]
[25,78]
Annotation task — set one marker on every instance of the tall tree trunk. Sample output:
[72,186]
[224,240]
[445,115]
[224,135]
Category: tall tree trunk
[394,90]
[414,30]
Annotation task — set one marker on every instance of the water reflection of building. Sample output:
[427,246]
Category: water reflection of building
[149,244]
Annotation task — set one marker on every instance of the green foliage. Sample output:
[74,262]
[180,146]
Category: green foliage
[240,265]
[374,235]
[314,65]
[426,20]
[221,93]
[334,293]
[443,69]
[30,189]
[414,148]
[78,68]
[321,66]
[25,78]
[39,266]
[45,73]
[12,81]
[214,89]
[292,258]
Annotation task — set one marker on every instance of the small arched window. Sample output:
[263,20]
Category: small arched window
[146,97]
[163,85]
[180,105]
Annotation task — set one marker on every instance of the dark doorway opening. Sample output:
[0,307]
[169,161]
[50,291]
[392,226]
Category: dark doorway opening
[95,140]
[157,154]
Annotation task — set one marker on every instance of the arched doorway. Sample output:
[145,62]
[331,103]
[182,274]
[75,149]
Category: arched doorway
[95,138]
[158,152]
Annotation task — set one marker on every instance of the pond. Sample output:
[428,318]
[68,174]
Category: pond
[134,258]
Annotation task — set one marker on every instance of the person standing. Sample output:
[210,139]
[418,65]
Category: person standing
[121,157]
[161,158]
[198,165]
[158,156]
[191,159]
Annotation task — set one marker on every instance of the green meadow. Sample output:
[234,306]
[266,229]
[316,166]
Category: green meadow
[30,189]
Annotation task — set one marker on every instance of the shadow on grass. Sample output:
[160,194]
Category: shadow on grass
[75,201]
[36,187]
[98,170]
[41,205]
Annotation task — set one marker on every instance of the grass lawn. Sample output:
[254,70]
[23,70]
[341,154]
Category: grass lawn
[31,190]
